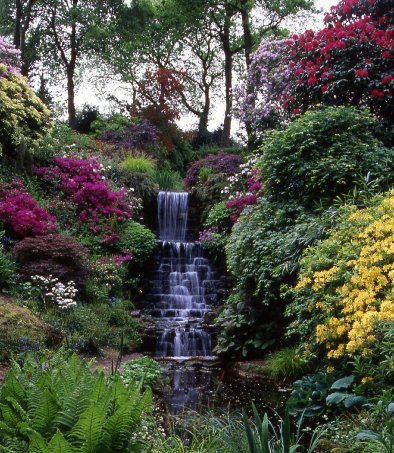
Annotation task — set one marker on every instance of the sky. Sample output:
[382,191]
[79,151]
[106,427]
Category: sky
[87,94]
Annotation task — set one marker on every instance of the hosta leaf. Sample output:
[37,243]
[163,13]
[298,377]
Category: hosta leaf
[352,401]
[336,398]
[343,383]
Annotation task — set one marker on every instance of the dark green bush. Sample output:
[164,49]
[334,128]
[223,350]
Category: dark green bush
[139,240]
[7,269]
[63,406]
[319,155]
[88,328]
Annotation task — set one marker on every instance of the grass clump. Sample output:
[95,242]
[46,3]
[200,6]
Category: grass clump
[286,363]
[139,164]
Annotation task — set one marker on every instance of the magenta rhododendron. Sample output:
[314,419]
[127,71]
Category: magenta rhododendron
[83,182]
[350,61]
[22,214]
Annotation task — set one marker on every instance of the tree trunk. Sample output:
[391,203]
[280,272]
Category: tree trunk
[204,116]
[72,116]
[228,76]
[18,23]
[248,43]
[247,32]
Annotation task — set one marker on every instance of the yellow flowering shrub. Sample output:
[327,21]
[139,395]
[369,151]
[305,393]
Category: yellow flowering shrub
[345,290]
[23,116]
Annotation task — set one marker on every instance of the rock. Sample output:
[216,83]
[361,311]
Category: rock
[21,330]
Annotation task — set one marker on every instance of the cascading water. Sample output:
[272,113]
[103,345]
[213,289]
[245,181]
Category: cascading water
[183,282]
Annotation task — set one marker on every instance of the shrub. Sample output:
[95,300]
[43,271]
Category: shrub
[55,254]
[21,214]
[114,122]
[134,136]
[82,180]
[319,156]
[7,270]
[139,240]
[345,288]
[219,163]
[89,328]
[138,164]
[24,118]
[143,369]
[144,185]
[65,406]
[219,217]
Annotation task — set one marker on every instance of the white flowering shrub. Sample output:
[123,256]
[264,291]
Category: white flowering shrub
[54,292]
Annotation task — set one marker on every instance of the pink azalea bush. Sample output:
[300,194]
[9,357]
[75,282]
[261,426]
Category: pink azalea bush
[22,214]
[83,182]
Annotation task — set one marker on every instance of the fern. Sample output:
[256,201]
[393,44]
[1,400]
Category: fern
[67,408]
[88,431]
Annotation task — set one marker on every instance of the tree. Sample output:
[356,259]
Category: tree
[17,18]
[70,33]
[348,62]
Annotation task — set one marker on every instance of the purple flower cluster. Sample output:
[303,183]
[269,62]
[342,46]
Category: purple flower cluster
[258,96]
[21,213]
[9,57]
[220,163]
[83,182]
[136,135]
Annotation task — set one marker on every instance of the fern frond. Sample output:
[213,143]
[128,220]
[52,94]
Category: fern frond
[59,444]
[42,420]
[12,388]
[88,431]
[37,443]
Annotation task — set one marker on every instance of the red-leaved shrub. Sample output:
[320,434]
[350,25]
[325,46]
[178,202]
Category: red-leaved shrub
[220,163]
[56,255]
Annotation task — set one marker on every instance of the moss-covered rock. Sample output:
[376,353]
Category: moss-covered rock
[21,330]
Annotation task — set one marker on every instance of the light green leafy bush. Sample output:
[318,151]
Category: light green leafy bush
[24,118]
[144,369]
[139,240]
[63,406]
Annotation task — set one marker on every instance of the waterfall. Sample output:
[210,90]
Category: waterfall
[182,285]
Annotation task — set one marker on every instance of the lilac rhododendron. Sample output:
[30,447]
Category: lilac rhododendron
[9,58]
[83,182]
[22,214]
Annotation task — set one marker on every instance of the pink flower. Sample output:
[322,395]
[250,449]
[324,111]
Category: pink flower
[386,80]
[362,72]
[377,93]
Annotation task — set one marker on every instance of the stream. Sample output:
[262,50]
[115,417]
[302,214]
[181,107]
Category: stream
[181,295]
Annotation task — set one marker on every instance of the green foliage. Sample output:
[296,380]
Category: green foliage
[88,328]
[20,329]
[114,122]
[62,140]
[24,118]
[219,217]
[145,186]
[262,438]
[139,240]
[319,155]
[204,174]
[7,269]
[168,179]
[243,330]
[144,370]
[138,164]
[286,363]
[63,406]
[315,394]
